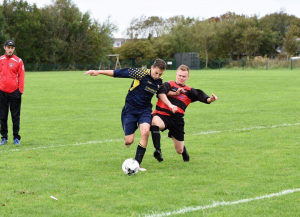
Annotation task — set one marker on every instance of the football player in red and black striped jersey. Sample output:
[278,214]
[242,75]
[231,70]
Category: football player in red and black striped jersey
[180,95]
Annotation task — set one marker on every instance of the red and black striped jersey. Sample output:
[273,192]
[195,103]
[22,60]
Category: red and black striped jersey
[181,101]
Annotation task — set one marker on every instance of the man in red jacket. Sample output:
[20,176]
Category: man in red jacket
[12,76]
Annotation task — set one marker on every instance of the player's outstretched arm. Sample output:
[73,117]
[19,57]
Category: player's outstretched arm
[163,97]
[212,98]
[100,72]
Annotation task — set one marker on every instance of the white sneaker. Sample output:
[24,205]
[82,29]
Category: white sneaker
[142,169]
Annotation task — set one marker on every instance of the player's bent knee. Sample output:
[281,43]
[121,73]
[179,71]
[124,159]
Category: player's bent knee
[179,150]
[154,122]
[129,141]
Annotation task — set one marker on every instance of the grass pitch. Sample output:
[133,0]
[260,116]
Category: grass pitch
[243,146]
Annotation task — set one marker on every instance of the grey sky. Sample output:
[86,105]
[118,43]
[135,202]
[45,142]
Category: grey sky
[121,12]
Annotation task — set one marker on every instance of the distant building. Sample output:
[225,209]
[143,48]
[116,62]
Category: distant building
[118,42]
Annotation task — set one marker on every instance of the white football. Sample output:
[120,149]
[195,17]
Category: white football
[130,166]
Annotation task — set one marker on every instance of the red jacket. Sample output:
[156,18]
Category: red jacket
[12,74]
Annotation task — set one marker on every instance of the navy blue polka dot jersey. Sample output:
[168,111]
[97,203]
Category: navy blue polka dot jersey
[142,88]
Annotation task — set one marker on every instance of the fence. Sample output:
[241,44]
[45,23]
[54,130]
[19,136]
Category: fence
[263,63]
[95,66]
[171,65]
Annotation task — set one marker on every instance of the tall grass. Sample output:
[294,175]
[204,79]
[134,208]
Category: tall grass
[262,63]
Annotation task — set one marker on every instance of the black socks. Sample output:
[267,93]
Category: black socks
[140,152]
[185,155]
[155,136]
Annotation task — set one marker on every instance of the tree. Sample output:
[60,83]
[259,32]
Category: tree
[135,29]
[58,33]
[251,41]
[146,27]
[279,23]
[4,35]
[24,21]
[268,40]
[137,50]
[180,38]
[226,37]
[154,26]
[291,45]
[178,20]
[73,36]
[228,30]
[204,36]
[163,47]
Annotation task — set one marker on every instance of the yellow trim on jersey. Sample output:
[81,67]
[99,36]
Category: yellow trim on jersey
[141,145]
[135,84]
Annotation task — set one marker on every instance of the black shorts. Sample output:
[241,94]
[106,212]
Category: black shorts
[174,125]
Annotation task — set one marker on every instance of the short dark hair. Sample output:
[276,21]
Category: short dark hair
[161,64]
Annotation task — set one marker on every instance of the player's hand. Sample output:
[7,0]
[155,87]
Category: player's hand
[174,108]
[179,91]
[213,98]
[92,73]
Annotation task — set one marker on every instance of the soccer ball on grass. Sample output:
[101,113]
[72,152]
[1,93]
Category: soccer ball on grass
[130,166]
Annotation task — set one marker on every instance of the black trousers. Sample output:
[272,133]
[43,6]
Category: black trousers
[12,101]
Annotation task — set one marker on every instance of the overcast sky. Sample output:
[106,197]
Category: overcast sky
[121,12]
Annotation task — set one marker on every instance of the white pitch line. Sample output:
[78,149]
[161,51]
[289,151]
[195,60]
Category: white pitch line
[224,203]
[118,140]
[249,128]
[76,144]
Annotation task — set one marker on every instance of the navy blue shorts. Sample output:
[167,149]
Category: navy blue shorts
[132,117]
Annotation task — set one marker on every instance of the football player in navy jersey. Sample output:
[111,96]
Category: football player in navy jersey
[175,94]
[137,110]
